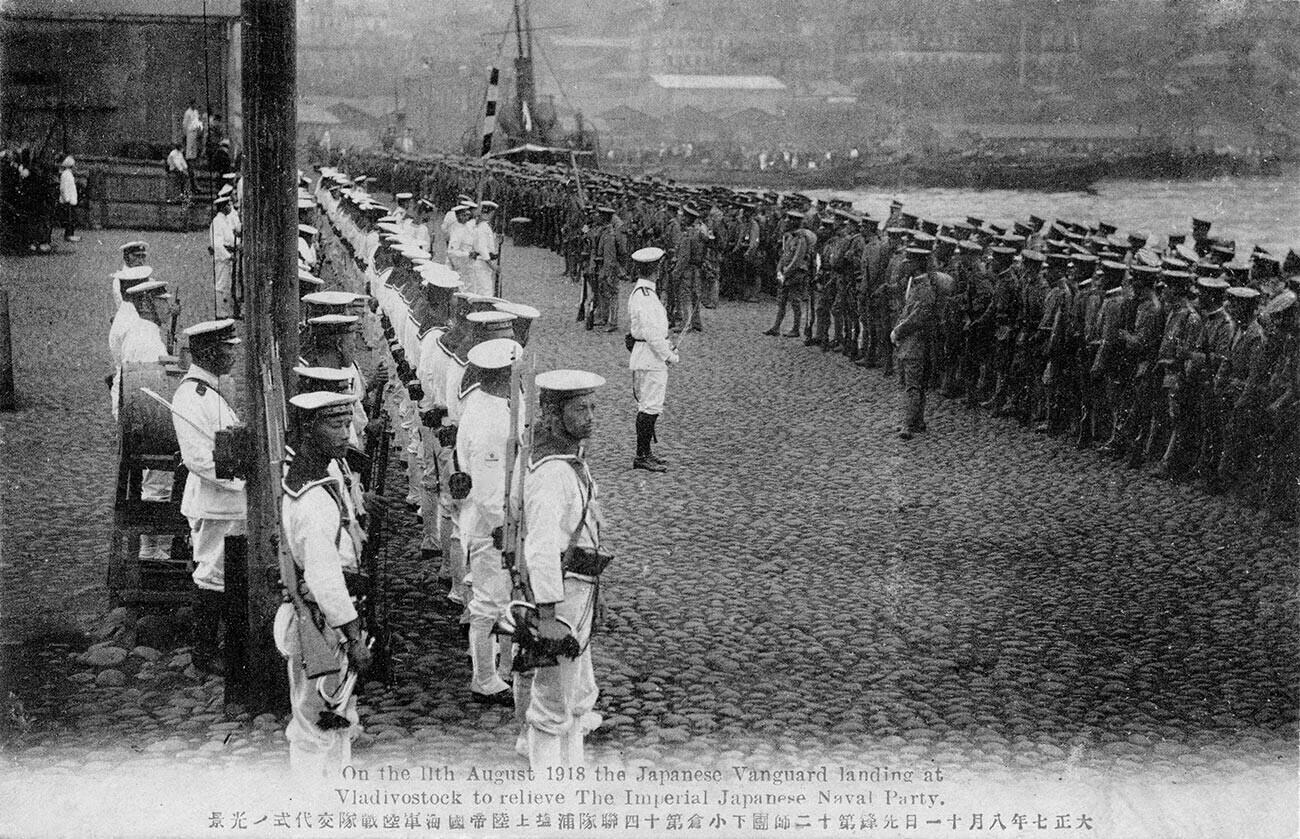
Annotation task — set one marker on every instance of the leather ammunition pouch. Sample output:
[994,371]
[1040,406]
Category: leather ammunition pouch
[630,342]
[585,561]
[459,484]
[432,418]
[447,436]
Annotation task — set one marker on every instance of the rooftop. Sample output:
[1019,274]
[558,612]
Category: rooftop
[676,82]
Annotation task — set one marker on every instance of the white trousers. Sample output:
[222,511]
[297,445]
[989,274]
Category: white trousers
[490,599]
[314,753]
[224,283]
[649,388]
[208,537]
[561,695]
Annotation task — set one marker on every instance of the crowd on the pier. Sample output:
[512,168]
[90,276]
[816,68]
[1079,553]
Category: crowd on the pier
[1176,352]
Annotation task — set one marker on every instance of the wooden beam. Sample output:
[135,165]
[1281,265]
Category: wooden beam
[269,260]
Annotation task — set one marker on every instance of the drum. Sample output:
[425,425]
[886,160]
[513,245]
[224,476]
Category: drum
[146,425]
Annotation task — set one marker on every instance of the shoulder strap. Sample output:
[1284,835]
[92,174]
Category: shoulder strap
[580,470]
[201,386]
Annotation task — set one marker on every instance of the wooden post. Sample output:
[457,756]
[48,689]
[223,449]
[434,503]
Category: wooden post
[269,261]
[6,356]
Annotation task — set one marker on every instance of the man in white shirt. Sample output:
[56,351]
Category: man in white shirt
[483,263]
[221,244]
[193,127]
[481,450]
[652,352]
[216,507]
[178,173]
[68,199]
[321,534]
[141,342]
[460,245]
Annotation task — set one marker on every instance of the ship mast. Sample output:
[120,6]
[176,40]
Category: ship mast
[525,83]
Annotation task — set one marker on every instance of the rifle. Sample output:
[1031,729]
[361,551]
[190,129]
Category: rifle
[375,602]
[171,330]
[320,656]
[583,309]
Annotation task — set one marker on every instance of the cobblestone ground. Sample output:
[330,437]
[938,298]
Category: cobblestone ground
[801,586]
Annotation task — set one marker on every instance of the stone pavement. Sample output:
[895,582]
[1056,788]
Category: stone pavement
[801,586]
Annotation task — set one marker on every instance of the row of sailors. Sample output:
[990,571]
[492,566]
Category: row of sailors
[451,349]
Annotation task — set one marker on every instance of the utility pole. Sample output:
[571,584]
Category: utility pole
[269,260]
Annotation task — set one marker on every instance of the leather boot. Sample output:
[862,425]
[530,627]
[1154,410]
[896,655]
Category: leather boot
[208,608]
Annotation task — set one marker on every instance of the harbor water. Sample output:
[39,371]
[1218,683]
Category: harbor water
[1262,211]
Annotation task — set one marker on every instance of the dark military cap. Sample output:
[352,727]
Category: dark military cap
[1212,284]
[1176,278]
[1036,223]
[1113,268]
[916,252]
[1143,273]
[995,229]
[1021,229]
[1057,259]
[1003,251]
[931,227]
[1267,266]
[1085,258]
[908,220]
[1106,228]
[1200,226]
[1176,239]
[974,222]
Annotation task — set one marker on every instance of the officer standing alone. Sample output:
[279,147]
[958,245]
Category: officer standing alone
[216,507]
[651,354]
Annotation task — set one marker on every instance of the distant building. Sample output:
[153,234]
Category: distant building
[114,77]
[666,93]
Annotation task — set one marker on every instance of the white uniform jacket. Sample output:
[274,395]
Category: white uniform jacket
[206,496]
[553,502]
[481,449]
[322,543]
[648,321]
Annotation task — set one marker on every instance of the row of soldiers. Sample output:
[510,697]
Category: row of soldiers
[1142,348]
[452,399]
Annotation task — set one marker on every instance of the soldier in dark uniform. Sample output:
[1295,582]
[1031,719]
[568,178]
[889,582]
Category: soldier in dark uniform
[974,290]
[1141,339]
[911,337]
[1200,435]
[1100,353]
[1170,404]
[1238,406]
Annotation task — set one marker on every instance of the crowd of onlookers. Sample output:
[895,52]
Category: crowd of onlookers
[38,192]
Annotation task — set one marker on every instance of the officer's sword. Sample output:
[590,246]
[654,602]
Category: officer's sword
[176,413]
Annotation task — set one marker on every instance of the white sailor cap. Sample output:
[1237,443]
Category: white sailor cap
[229,176]
[305,203]
[221,200]
[488,205]
[212,332]
[403,196]
[496,353]
[325,401]
[464,207]
[437,274]
[226,190]
[519,310]
[131,247]
[464,199]
[68,162]
[333,298]
[489,318]
[391,227]
[648,255]
[326,324]
[305,276]
[569,382]
[308,229]
[147,289]
[360,179]
[332,378]
[136,274]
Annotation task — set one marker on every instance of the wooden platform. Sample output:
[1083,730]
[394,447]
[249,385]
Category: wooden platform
[136,194]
